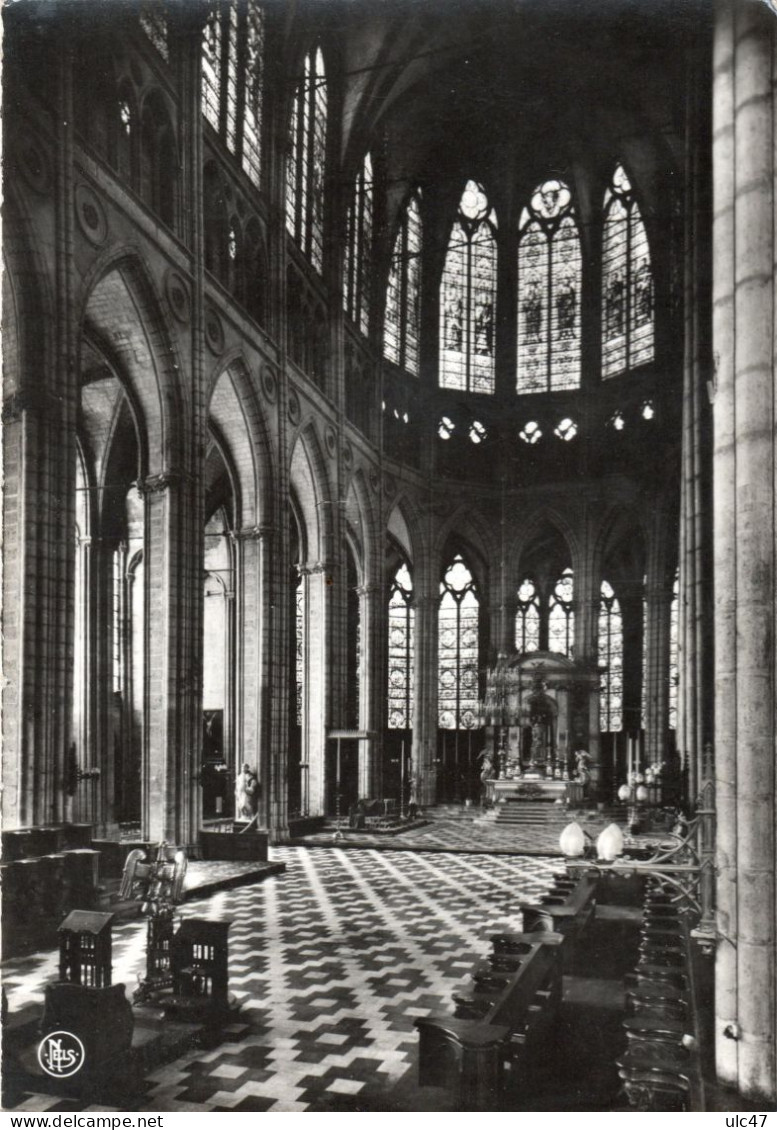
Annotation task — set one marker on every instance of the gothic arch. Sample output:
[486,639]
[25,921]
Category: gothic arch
[26,285]
[543,517]
[358,499]
[120,308]
[310,483]
[471,527]
[236,411]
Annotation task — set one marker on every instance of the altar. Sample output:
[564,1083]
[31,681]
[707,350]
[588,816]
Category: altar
[537,714]
[528,788]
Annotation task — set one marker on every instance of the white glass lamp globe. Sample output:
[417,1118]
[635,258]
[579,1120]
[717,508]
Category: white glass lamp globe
[610,843]
[572,840]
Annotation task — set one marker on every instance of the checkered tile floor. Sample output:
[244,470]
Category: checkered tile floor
[453,835]
[331,963]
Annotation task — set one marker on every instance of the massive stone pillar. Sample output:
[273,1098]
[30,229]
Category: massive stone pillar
[172,578]
[694,631]
[425,603]
[372,620]
[744,492]
[587,597]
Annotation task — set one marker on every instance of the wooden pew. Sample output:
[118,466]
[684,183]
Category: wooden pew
[513,1003]
[565,910]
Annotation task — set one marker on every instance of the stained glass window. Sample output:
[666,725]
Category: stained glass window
[627,281]
[254,89]
[561,615]
[674,669]
[153,20]
[549,287]
[232,76]
[401,632]
[403,294]
[358,250]
[611,657]
[468,296]
[211,68]
[306,160]
[231,84]
[458,650]
[527,617]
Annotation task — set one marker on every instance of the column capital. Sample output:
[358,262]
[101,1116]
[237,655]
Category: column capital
[253,533]
[156,484]
[368,590]
[317,568]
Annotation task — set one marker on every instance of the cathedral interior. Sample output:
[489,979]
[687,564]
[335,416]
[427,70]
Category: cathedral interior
[389,485]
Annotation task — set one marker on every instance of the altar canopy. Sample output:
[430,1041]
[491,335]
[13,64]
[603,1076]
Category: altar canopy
[538,712]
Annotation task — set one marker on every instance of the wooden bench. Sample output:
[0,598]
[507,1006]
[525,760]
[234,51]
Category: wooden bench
[565,910]
[513,1004]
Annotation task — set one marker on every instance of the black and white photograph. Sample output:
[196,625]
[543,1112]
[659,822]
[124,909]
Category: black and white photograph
[389,559]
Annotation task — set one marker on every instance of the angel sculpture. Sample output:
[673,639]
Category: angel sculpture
[159,884]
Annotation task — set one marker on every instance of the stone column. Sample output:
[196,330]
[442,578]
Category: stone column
[724,520]
[172,577]
[318,678]
[372,694]
[251,598]
[425,691]
[658,596]
[586,598]
[744,492]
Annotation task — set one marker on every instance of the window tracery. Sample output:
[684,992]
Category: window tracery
[610,649]
[561,615]
[403,293]
[401,653]
[627,281]
[468,296]
[306,160]
[549,288]
[458,648]
[527,617]
[358,249]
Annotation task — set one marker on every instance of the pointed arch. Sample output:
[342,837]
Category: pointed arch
[401,328]
[545,517]
[468,296]
[120,308]
[306,160]
[549,291]
[237,412]
[628,304]
[310,483]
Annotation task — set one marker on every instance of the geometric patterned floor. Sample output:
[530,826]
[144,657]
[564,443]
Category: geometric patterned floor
[331,962]
[460,834]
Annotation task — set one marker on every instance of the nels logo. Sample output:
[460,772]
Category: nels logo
[61,1054]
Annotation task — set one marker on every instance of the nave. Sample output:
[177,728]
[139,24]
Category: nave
[331,963]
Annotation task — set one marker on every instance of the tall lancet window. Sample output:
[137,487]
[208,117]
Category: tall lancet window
[403,293]
[401,630]
[212,68]
[468,296]
[549,286]
[527,617]
[254,91]
[627,281]
[306,160]
[561,615]
[611,657]
[458,655]
[357,272]
[674,665]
